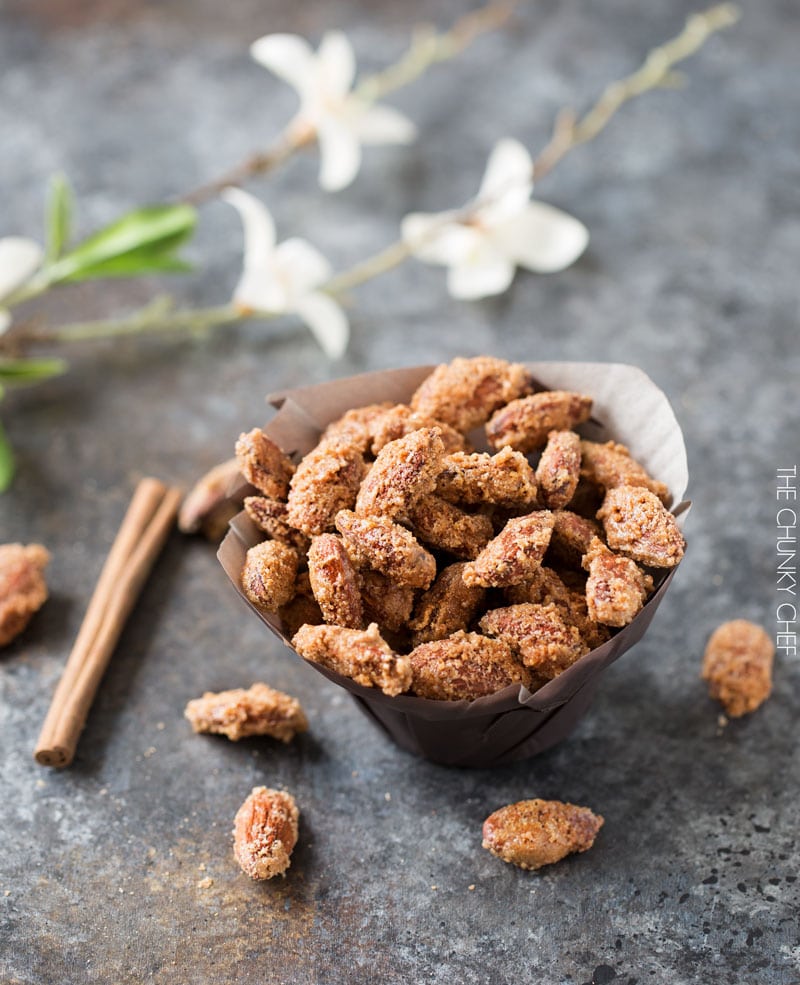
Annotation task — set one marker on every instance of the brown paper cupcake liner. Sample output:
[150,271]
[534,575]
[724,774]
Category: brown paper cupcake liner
[512,724]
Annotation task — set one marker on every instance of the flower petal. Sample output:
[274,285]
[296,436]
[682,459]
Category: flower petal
[340,154]
[487,274]
[336,64]
[259,227]
[543,239]
[327,321]
[380,124]
[432,238]
[300,267]
[508,181]
[288,56]
[19,259]
[5,320]
[261,290]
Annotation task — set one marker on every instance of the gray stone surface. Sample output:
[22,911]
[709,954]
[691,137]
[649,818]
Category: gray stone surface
[692,201]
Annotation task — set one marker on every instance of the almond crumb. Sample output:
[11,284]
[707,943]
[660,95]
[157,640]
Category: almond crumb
[206,883]
[471,887]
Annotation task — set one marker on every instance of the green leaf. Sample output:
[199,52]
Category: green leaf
[6,461]
[141,242]
[23,372]
[58,217]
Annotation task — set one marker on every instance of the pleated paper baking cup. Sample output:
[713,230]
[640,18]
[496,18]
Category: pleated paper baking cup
[514,723]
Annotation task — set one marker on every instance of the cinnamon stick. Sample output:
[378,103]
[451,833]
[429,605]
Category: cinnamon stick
[147,523]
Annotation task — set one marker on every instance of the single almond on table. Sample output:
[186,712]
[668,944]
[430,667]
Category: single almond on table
[738,666]
[238,714]
[533,833]
[265,832]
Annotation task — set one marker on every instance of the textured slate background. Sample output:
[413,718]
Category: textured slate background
[692,201]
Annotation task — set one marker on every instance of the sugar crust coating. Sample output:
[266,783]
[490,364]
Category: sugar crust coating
[616,588]
[263,464]
[385,602]
[447,528]
[572,535]
[23,589]
[738,666]
[610,464]
[265,832]
[387,547]
[268,576]
[638,525]
[302,609]
[335,582]
[559,469]
[448,606]
[356,427]
[465,392]
[505,479]
[547,588]
[525,423]
[534,833]
[271,517]
[514,554]
[465,666]
[362,655]
[326,481]
[404,471]
[239,713]
[540,636]
[400,420]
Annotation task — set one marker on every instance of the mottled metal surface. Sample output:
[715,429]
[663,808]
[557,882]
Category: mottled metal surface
[692,200]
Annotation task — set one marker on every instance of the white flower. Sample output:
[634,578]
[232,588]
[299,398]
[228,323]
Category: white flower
[282,278]
[340,118]
[504,230]
[19,259]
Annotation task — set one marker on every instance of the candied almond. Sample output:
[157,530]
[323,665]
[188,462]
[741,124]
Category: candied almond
[448,606]
[572,535]
[23,589]
[335,582]
[362,655]
[465,666]
[616,588]
[533,833]
[387,547]
[271,517]
[326,481]
[447,528]
[400,420]
[738,666]
[464,392]
[546,588]
[539,634]
[357,426]
[263,464]
[525,423]
[610,464]
[638,525]
[514,554]
[404,471]
[505,479]
[385,602]
[559,469]
[265,832]
[268,576]
[239,713]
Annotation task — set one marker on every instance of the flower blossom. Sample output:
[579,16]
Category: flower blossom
[342,120]
[283,278]
[19,259]
[501,230]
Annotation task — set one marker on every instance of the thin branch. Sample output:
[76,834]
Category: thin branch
[428,47]
[654,73]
